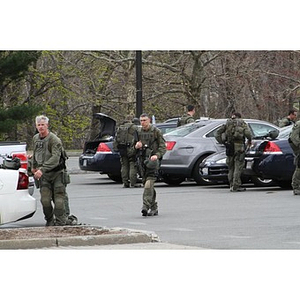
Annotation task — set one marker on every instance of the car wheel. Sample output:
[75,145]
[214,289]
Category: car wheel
[173,180]
[197,173]
[262,182]
[115,178]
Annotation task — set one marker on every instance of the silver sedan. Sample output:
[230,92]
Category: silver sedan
[188,145]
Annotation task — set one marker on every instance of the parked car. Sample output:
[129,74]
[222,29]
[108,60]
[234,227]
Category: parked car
[189,145]
[269,161]
[272,159]
[215,170]
[98,155]
[15,202]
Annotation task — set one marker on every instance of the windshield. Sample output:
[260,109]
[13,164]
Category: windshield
[185,129]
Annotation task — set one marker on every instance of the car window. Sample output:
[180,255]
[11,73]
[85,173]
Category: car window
[259,129]
[185,130]
[166,129]
[285,132]
[212,133]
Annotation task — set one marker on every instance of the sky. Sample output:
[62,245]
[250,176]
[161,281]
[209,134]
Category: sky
[151,25]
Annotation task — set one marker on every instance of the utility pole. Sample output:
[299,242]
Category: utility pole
[139,91]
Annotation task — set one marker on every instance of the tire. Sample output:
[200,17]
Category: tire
[197,174]
[173,180]
[257,181]
[115,178]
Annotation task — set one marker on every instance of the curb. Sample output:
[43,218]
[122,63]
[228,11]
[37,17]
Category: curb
[125,237]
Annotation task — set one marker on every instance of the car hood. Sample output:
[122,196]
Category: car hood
[107,125]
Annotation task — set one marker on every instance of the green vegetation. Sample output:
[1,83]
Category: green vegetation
[70,86]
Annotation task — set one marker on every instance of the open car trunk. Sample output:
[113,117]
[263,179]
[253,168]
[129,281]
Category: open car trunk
[107,127]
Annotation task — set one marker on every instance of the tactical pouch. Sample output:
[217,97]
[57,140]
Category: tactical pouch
[122,149]
[229,149]
[66,178]
[37,183]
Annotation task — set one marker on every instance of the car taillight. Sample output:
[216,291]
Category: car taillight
[23,181]
[102,147]
[23,159]
[272,148]
[170,145]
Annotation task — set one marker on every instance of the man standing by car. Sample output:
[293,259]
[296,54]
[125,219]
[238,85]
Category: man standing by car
[233,134]
[289,120]
[124,142]
[151,147]
[188,117]
[48,172]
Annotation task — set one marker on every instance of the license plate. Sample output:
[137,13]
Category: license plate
[249,164]
[84,162]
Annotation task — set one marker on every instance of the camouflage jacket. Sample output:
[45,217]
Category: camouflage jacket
[46,154]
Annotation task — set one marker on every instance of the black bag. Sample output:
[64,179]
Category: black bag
[62,162]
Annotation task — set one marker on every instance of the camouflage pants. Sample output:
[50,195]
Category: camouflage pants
[67,206]
[296,175]
[53,197]
[149,195]
[235,165]
[128,170]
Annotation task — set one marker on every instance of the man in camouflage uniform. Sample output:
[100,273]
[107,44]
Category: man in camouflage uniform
[233,134]
[188,117]
[128,153]
[289,120]
[151,147]
[49,175]
[295,136]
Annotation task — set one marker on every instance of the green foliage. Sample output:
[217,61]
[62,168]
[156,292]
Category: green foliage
[15,64]
[11,117]
[73,85]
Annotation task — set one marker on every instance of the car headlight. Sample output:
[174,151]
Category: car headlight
[221,161]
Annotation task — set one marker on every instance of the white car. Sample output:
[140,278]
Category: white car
[15,201]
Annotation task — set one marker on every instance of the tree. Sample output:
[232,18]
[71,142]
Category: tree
[14,109]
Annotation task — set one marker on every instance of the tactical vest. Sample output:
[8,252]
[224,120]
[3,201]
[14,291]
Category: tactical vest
[42,152]
[125,134]
[294,138]
[41,149]
[235,130]
[148,138]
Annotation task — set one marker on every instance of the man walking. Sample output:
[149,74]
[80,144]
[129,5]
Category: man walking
[233,134]
[152,147]
[48,173]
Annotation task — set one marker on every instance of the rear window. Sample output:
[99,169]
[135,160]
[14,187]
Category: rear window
[260,129]
[185,130]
